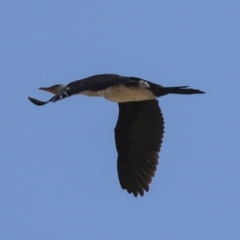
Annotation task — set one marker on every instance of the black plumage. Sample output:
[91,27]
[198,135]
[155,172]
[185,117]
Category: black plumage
[140,125]
[138,136]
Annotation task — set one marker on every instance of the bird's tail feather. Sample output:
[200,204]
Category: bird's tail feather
[181,90]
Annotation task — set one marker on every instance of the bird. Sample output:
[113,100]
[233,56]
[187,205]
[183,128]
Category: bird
[140,126]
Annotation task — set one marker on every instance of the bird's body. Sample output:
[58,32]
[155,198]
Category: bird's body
[122,93]
[140,126]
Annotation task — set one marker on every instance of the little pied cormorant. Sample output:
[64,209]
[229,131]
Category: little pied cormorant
[140,125]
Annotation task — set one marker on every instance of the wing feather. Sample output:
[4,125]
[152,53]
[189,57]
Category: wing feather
[138,136]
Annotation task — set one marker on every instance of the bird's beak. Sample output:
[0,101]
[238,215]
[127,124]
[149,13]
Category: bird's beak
[49,89]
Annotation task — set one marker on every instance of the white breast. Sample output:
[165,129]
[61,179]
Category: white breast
[122,93]
[126,94]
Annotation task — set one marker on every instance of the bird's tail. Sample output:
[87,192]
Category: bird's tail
[180,90]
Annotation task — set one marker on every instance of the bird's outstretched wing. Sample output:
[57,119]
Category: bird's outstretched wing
[38,102]
[138,135]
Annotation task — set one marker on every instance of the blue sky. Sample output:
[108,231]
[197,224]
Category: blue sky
[58,177]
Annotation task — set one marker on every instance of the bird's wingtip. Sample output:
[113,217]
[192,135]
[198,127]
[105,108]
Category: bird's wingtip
[37,102]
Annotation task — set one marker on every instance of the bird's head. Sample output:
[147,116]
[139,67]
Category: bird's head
[55,89]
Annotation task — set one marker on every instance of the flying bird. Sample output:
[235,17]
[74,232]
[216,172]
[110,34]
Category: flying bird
[140,125]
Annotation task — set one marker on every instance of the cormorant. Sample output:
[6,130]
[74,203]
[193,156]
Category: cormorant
[140,125]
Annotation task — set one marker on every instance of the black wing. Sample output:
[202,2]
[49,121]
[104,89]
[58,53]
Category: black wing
[40,103]
[138,135]
[94,83]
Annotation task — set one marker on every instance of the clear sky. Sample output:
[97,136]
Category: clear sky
[58,176]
